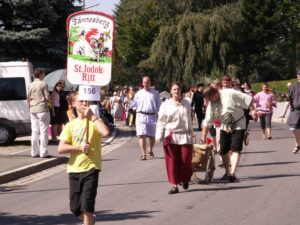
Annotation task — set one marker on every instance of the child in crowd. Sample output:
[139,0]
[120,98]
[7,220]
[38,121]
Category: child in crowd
[85,158]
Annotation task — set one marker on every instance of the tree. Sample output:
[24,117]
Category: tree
[35,30]
[191,49]
[137,26]
[260,30]
[289,38]
[142,24]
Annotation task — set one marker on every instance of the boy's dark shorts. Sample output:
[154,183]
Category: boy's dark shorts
[212,131]
[83,191]
[231,141]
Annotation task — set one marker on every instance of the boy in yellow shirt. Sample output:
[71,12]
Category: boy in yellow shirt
[85,158]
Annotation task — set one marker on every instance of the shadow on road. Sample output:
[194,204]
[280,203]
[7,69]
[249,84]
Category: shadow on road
[270,176]
[132,183]
[21,189]
[267,164]
[107,216]
[225,188]
[260,152]
[9,219]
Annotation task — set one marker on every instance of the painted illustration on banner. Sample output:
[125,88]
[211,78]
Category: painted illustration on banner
[90,42]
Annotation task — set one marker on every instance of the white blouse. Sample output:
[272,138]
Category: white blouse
[175,118]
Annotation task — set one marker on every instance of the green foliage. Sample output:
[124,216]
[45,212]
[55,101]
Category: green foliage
[278,87]
[195,40]
[137,26]
[187,41]
[269,39]
[23,36]
[141,25]
[191,48]
[35,30]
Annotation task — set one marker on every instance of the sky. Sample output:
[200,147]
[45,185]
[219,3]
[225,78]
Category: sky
[106,6]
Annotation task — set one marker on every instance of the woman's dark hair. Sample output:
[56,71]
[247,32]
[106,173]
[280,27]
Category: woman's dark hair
[200,85]
[248,84]
[57,84]
[175,83]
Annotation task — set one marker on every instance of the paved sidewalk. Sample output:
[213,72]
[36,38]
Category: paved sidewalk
[15,160]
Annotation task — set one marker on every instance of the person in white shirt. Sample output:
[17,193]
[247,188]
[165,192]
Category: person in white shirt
[38,98]
[175,124]
[228,106]
[147,103]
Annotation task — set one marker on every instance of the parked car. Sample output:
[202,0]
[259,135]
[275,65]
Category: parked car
[15,78]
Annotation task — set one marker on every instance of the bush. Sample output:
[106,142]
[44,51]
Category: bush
[278,88]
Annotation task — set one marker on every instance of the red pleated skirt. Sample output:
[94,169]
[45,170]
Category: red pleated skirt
[178,160]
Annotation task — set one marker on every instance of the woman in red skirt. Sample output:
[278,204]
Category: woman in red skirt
[175,124]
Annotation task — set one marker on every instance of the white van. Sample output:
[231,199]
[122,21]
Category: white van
[15,78]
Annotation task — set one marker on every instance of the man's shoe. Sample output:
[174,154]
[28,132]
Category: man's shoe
[232,178]
[185,185]
[225,177]
[53,141]
[174,190]
[35,156]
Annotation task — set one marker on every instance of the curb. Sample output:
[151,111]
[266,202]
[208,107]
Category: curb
[43,165]
[31,169]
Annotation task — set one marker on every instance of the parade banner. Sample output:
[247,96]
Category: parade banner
[90,42]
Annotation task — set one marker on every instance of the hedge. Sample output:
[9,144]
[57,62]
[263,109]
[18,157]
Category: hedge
[277,87]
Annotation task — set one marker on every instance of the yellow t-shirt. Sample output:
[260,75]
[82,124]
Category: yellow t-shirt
[74,133]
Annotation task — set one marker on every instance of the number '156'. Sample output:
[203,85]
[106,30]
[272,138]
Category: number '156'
[89,91]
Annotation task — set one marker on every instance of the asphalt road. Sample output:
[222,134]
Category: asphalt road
[134,192]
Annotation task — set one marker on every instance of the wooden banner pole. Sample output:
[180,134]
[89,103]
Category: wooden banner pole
[87,127]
